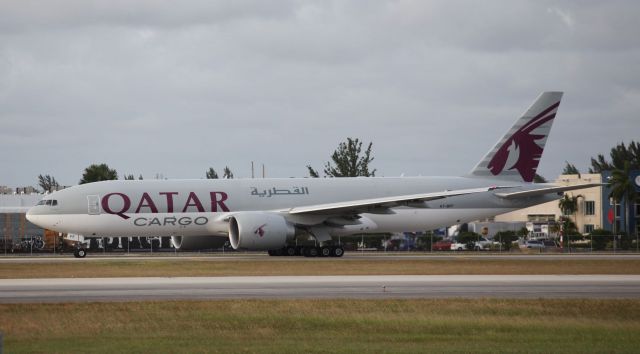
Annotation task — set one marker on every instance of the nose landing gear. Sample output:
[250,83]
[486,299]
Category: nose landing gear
[79,253]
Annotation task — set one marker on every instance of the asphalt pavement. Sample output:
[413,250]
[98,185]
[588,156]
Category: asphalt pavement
[319,287]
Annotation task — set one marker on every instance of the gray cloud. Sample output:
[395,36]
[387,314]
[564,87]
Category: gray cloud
[152,87]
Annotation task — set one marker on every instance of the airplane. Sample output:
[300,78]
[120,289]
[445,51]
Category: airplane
[275,214]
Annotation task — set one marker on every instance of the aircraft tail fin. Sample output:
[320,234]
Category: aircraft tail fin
[516,156]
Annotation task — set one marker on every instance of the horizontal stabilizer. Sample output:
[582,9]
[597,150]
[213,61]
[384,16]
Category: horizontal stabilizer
[543,191]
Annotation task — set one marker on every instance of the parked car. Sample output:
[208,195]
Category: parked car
[534,244]
[481,244]
[442,246]
[485,244]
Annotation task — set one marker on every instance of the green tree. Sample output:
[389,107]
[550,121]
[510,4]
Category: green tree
[48,183]
[523,232]
[570,169]
[506,238]
[600,238]
[468,238]
[95,173]
[554,229]
[619,154]
[211,173]
[569,206]
[227,174]
[140,177]
[312,173]
[623,190]
[539,179]
[348,160]
[129,177]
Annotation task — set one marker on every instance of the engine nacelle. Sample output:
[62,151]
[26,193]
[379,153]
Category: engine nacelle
[259,231]
[192,243]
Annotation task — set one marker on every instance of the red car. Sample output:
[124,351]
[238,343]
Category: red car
[442,246]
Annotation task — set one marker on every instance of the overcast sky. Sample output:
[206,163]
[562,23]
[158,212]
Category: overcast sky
[176,87]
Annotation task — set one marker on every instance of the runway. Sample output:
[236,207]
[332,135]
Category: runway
[320,287]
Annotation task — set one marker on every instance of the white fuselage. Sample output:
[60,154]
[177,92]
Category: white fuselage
[201,207]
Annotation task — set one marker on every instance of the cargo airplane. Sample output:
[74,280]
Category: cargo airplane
[279,214]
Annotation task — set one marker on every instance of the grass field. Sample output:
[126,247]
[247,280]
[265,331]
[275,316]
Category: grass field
[351,326]
[331,266]
[302,326]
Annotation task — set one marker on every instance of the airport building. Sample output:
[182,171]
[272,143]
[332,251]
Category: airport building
[16,232]
[595,210]
[540,218]
[619,212]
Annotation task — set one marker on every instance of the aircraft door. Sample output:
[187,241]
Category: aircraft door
[94,204]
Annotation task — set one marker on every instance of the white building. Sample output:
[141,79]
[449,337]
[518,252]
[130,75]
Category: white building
[588,217]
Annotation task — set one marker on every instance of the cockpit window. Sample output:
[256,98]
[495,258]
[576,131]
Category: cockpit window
[49,202]
[54,202]
[41,202]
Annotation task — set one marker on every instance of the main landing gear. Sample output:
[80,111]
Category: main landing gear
[79,253]
[309,251]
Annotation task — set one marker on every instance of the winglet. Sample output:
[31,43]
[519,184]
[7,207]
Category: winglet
[516,156]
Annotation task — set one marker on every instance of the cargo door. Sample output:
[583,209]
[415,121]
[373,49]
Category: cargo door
[94,204]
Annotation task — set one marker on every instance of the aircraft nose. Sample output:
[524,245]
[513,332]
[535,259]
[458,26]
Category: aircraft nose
[33,217]
[29,215]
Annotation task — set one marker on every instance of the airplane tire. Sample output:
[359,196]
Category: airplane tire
[290,251]
[311,252]
[325,251]
[272,253]
[80,253]
[337,251]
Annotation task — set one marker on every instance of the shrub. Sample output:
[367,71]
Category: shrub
[506,238]
[469,239]
[601,238]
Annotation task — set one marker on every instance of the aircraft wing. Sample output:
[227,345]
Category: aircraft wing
[380,204]
[548,190]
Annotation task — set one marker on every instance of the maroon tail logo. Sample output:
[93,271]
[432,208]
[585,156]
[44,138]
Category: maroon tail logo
[260,230]
[520,151]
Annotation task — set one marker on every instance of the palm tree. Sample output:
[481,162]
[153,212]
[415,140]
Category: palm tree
[623,190]
[95,173]
[569,206]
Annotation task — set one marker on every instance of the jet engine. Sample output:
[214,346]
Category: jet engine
[191,243]
[259,231]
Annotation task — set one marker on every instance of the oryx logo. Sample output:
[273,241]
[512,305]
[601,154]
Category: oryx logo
[260,230]
[521,151]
